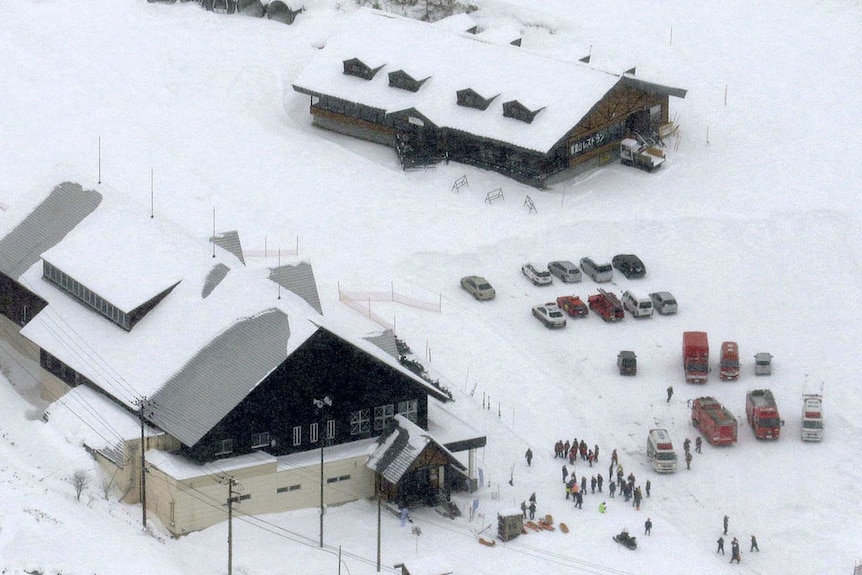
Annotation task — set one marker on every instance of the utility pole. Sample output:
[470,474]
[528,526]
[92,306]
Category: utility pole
[320,404]
[141,404]
[230,500]
[378,529]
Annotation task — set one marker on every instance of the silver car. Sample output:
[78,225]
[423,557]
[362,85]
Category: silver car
[663,302]
[565,270]
[478,287]
[599,273]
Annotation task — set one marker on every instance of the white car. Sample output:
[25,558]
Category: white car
[550,315]
[538,275]
[636,305]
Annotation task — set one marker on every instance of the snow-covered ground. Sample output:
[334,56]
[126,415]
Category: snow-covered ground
[753,223]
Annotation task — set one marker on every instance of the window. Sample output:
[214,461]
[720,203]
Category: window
[360,421]
[244,497]
[338,479]
[408,409]
[382,415]
[288,488]
[312,433]
[225,447]
[260,440]
[297,435]
[330,429]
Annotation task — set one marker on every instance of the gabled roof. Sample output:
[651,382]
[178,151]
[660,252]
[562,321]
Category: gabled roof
[219,376]
[65,207]
[400,445]
[566,89]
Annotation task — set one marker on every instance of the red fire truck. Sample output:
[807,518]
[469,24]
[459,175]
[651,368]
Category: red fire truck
[695,356]
[762,413]
[714,421]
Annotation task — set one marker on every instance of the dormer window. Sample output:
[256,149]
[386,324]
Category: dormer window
[405,81]
[515,109]
[471,99]
[358,68]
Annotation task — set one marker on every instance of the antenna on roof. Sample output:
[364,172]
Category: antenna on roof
[152,184]
[214,234]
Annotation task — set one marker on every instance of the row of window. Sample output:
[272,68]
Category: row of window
[85,295]
[360,423]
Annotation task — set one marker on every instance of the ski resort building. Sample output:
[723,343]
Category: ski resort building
[153,342]
[435,94]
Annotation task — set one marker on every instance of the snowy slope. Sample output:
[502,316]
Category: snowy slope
[753,223]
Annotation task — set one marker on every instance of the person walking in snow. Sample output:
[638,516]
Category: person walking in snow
[565,472]
[596,452]
[583,484]
[688,460]
[532,509]
[734,550]
[612,488]
[647,487]
[648,526]
[754,546]
[599,481]
[726,521]
[669,392]
[529,456]
[698,442]
[614,458]
[720,546]
[593,483]
[602,507]
[686,445]
[524,509]
[573,454]
[579,500]
[570,484]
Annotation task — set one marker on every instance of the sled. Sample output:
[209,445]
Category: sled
[532,525]
[546,526]
[564,528]
[487,543]
[549,519]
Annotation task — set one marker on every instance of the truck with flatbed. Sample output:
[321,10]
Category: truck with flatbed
[762,413]
[714,421]
[640,155]
[695,356]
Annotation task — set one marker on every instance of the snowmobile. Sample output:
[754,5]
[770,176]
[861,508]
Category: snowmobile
[625,539]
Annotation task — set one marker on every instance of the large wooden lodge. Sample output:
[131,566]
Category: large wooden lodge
[148,337]
[435,94]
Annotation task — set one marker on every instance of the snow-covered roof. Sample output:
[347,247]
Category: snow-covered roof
[398,448]
[565,90]
[239,317]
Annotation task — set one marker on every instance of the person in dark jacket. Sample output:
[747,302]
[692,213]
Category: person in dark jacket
[647,487]
[669,392]
[648,526]
[726,521]
[698,443]
[612,488]
[720,546]
[734,550]
[565,472]
[754,546]
[593,482]
[599,481]
[579,500]
[529,456]
[584,484]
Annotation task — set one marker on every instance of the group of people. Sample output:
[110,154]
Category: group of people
[686,446]
[575,449]
[734,544]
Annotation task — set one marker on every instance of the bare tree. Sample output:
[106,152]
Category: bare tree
[107,485]
[80,480]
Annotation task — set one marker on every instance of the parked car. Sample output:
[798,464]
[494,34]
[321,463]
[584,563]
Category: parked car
[550,315]
[537,275]
[573,305]
[627,362]
[629,265]
[763,363]
[636,305]
[565,270]
[478,287]
[663,302]
[598,272]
